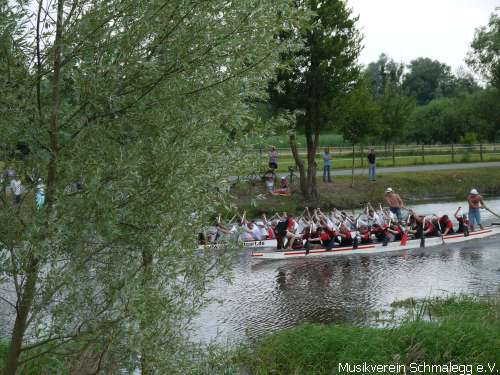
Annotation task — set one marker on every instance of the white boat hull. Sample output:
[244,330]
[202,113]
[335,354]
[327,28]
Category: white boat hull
[377,247]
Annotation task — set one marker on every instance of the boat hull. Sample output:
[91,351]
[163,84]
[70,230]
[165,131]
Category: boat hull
[376,247]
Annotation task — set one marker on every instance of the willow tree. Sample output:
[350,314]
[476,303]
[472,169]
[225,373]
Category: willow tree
[484,56]
[133,111]
[312,76]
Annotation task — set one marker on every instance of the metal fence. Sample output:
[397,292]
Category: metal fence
[454,151]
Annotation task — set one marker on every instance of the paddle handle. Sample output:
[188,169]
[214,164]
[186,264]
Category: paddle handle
[493,213]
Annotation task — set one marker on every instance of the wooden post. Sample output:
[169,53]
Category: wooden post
[481,151]
[452,153]
[423,154]
[393,155]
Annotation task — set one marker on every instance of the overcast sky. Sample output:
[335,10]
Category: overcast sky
[407,29]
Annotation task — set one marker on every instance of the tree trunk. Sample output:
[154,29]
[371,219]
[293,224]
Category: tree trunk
[28,293]
[299,162]
[23,309]
[312,138]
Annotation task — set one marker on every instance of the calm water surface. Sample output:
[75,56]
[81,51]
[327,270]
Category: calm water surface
[266,296]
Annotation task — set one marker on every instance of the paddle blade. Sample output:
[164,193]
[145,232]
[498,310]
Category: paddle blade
[404,239]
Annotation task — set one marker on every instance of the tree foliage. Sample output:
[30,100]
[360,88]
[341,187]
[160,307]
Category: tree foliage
[385,78]
[145,104]
[428,79]
[314,75]
[485,54]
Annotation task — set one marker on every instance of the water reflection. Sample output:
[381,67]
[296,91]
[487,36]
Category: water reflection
[268,296]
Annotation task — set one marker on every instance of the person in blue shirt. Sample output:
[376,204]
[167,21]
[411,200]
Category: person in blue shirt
[326,165]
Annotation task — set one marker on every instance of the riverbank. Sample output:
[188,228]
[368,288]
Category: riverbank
[414,188]
[460,330]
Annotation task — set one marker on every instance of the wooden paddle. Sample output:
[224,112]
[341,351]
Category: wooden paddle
[440,230]
[422,238]
[493,213]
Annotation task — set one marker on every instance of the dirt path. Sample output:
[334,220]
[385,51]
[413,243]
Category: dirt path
[416,168]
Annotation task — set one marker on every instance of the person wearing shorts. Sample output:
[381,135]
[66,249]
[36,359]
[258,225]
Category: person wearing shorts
[475,204]
[273,158]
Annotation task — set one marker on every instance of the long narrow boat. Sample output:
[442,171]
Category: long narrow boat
[377,247]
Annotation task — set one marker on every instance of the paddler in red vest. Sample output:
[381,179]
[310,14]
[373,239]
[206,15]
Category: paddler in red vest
[463,221]
[345,236]
[446,225]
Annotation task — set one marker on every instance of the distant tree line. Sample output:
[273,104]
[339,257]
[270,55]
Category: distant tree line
[424,102]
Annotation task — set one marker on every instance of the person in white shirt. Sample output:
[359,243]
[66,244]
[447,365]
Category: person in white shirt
[250,232]
[16,188]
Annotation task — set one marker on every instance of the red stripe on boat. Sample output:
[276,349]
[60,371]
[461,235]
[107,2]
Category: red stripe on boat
[470,234]
[317,251]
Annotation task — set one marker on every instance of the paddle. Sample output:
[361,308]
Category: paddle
[422,238]
[493,213]
[404,236]
[440,230]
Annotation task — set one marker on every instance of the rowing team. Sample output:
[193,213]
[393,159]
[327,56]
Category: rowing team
[339,229]
[318,229]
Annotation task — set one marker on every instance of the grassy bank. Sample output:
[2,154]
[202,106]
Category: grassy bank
[413,188]
[286,161]
[461,330]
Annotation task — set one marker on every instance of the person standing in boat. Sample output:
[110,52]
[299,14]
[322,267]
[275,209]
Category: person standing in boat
[371,165]
[395,203]
[476,203]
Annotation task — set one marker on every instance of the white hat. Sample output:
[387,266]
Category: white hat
[388,190]
[474,192]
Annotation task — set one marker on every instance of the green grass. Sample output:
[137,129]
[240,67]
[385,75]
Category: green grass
[326,140]
[463,330]
[286,160]
[413,188]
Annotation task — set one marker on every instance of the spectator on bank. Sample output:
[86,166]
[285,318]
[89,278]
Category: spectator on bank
[269,179]
[40,194]
[326,165]
[371,165]
[273,158]
[16,188]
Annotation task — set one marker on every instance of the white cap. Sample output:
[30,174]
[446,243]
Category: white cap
[474,192]
[389,190]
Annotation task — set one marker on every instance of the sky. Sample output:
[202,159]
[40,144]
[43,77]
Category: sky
[407,29]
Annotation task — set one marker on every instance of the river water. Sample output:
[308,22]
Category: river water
[267,296]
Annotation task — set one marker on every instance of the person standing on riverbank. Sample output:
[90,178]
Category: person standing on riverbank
[476,203]
[273,158]
[326,165]
[16,188]
[40,194]
[395,203]
[371,165]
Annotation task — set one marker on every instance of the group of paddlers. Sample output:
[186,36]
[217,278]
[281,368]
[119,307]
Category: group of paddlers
[318,229]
